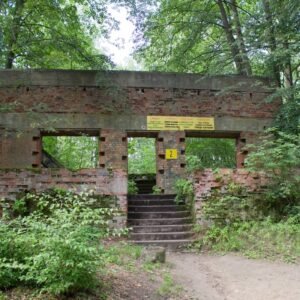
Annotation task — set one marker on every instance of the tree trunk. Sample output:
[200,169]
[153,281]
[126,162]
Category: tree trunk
[272,39]
[240,39]
[231,40]
[15,30]
[287,71]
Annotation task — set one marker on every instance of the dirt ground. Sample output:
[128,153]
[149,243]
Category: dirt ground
[190,276]
[232,277]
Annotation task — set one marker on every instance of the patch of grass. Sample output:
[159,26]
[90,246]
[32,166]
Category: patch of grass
[152,267]
[168,286]
[257,239]
[134,251]
[123,254]
[3,296]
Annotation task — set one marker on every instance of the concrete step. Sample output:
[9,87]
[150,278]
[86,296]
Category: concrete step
[145,184]
[151,202]
[145,190]
[170,244]
[151,196]
[158,215]
[159,221]
[161,228]
[149,236]
[155,208]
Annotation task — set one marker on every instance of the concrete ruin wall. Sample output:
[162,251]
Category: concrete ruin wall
[115,105]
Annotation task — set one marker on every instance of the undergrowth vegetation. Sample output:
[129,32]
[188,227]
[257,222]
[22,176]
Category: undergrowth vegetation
[257,239]
[185,194]
[51,241]
[265,223]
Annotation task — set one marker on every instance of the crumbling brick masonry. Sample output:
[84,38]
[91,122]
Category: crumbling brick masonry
[114,106]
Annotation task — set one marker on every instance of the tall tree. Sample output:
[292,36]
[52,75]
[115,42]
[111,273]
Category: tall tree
[259,37]
[51,33]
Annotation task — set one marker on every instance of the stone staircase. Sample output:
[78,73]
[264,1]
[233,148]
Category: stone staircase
[145,186]
[158,220]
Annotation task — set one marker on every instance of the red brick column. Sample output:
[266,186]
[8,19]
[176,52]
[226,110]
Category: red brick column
[113,158]
[20,149]
[245,138]
[168,171]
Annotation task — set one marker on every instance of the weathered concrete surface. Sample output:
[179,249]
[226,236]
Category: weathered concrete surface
[66,78]
[91,121]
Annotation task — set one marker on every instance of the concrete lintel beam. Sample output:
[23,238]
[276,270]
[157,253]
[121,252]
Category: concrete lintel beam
[136,123]
[15,78]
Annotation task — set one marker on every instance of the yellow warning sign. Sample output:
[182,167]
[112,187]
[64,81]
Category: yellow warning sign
[171,154]
[180,123]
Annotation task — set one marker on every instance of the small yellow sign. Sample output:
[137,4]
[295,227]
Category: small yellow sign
[180,123]
[171,154]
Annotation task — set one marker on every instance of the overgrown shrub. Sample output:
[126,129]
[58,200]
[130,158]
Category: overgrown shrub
[132,188]
[184,189]
[57,246]
[193,162]
[185,194]
[278,155]
[232,204]
[48,202]
[156,190]
[264,224]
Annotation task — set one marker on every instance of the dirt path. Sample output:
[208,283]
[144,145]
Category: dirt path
[230,277]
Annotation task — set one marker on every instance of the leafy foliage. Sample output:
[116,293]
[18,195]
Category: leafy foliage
[185,194]
[132,187]
[279,156]
[184,188]
[72,152]
[288,118]
[210,153]
[218,36]
[141,156]
[51,34]
[156,190]
[263,224]
[56,247]
[232,204]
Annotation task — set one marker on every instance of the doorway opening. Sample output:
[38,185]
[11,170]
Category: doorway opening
[141,165]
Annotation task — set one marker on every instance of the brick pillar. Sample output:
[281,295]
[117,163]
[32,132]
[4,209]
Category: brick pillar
[169,170]
[37,148]
[245,138]
[20,149]
[113,158]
